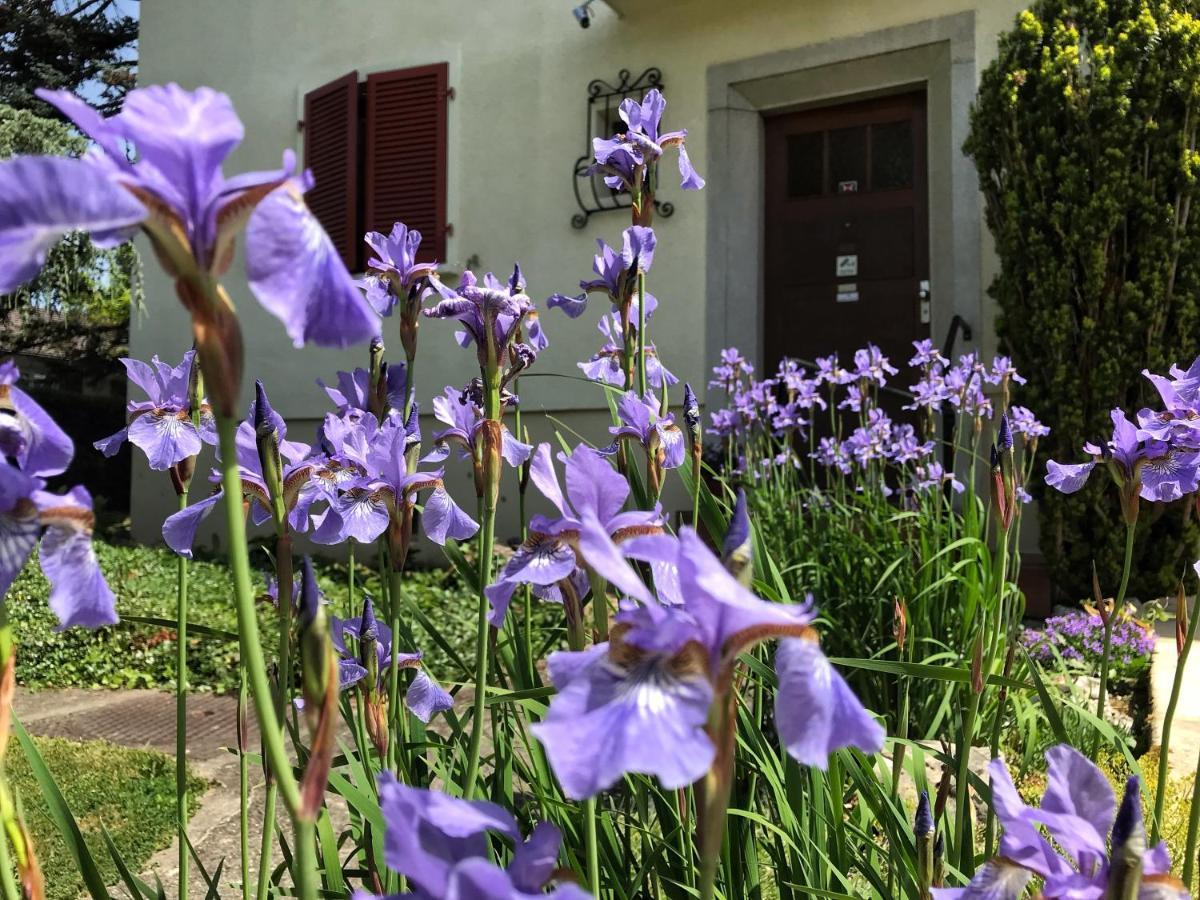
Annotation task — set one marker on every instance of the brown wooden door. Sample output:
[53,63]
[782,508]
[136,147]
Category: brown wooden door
[847,235]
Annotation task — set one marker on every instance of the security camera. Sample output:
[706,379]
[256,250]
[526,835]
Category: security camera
[582,16]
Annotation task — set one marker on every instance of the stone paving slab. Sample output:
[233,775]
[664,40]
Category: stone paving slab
[142,719]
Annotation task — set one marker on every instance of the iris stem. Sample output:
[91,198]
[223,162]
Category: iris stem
[410,384]
[1164,745]
[305,872]
[1189,853]
[181,688]
[1111,621]
[250,639]
[283,580]
[6,872]
[395,708]
[592,846]
[350,578]
[268,840]
[487,537]
[716,787]
[243,790]
[641,339]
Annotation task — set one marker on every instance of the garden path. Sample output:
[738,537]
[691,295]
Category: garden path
[146,719]
[1185,730]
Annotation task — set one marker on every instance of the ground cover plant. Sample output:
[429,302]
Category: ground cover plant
[642,709]
[140,650]
[130,794]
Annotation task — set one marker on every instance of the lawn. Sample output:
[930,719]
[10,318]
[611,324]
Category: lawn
[130,792]
[133,655]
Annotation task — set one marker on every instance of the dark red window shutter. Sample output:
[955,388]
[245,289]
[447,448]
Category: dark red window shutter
[405,154]
[331,151]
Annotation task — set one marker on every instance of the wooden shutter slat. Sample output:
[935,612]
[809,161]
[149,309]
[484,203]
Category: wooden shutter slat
[331,152]
[404,160]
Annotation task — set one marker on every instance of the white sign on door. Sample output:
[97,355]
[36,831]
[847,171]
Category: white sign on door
[847,266]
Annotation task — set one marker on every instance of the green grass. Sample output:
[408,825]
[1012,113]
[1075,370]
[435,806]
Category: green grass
[130,792]
[132,655]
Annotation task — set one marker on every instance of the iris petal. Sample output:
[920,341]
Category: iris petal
[297,276]
[43,198]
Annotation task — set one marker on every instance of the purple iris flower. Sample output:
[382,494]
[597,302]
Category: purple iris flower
[808,394]
[368,505]
[1024,422]
[832,454]
[964,387]
[641,422]
[345,442]
[641,701]
[616,273]
[872,441]
[787,420]
[1161,472]
[729,372]
[179,530]
[589,524]
[1179,422]
[464,427]
[831,372]
[1080,816]
[353,391]
[607,365]
[623,158]
[79,595]
[1002,371]
[424,697]
[871,365]
[930,392]
[175,189]
[161,426]
[906,447]
[490,313]
[926,354]
[395,264]
[440,844]
[29,438]
[853,401]
[724,422]
[933,475]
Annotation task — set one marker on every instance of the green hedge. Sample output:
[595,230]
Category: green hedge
[1084,134]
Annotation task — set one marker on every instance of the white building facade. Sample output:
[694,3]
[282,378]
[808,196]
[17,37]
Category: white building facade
[838,204]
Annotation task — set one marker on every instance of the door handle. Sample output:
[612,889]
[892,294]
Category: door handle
[926,307]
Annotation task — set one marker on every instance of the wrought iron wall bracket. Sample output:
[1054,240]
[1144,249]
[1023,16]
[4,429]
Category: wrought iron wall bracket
[603,101]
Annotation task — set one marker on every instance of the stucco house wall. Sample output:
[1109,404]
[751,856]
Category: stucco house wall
[519,69]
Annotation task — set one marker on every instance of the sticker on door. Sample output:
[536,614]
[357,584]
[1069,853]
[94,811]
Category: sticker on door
[847,266]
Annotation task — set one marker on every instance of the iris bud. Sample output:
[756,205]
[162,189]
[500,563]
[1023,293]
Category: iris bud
[1128,845]
[316,647]
[923,833]
[737,551]
[266,437]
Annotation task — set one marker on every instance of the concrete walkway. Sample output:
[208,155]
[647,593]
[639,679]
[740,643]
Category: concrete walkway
[1185,728]
[146,719]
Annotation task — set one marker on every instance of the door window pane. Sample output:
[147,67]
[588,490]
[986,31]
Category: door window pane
[848,159]
[891,156]
[806,164]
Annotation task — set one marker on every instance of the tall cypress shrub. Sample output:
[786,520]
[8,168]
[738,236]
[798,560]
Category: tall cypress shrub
[1084,135]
